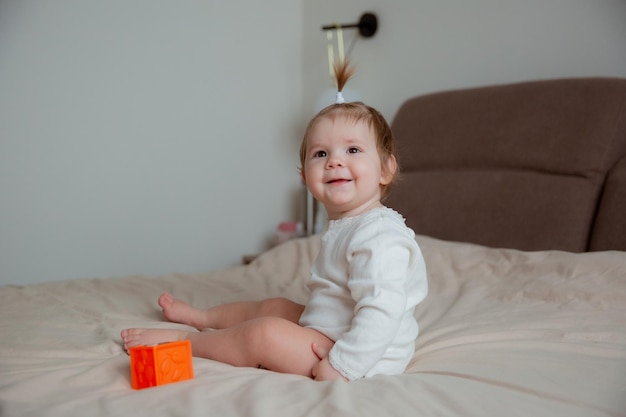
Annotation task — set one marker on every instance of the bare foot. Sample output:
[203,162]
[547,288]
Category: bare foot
[180,312]
[140,337]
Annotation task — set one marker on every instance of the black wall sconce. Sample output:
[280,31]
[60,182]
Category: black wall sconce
[367,25]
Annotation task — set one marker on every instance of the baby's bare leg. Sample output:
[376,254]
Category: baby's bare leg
[269,342]
[228,315]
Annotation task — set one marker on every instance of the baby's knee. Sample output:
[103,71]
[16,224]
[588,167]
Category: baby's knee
[265,333]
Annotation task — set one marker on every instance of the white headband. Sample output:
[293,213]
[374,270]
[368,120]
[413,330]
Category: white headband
[339,98]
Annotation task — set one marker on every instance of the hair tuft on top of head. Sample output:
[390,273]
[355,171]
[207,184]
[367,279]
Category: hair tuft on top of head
[343,72]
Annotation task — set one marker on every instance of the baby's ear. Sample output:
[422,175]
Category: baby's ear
[389,170]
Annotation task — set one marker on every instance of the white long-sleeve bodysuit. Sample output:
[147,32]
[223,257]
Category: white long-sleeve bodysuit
[365,284]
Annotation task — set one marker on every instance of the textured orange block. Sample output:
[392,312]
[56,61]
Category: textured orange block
[160,364]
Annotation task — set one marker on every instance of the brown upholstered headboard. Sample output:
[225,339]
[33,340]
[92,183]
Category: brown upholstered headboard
[533,166]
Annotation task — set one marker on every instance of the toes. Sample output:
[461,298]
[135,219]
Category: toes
[166,300]
[124,335]
[131,337]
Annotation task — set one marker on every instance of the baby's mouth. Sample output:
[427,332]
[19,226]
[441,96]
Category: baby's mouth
[338,181]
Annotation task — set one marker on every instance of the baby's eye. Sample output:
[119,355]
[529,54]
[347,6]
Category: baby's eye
[354,150]
[319,154]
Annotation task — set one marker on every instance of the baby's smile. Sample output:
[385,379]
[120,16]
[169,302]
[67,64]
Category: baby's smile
[339,181]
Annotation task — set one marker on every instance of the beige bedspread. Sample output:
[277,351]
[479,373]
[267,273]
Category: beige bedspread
[503,333]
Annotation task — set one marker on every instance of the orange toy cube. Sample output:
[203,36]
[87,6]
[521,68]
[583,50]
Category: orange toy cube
[160,364]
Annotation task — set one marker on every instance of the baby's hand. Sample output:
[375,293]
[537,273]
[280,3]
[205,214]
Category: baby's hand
[319,352]
[323,370]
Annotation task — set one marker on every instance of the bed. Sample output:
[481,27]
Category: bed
[518,195]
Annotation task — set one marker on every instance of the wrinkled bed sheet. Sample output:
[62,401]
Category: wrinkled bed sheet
[503,333]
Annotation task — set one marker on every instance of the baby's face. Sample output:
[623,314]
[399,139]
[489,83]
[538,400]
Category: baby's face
[342,167]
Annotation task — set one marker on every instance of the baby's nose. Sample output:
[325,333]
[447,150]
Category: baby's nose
[334,161]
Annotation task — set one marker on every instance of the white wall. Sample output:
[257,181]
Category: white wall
[145,137]
[154,136]
[429,45]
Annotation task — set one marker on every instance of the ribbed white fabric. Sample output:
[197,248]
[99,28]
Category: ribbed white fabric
[365,284]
